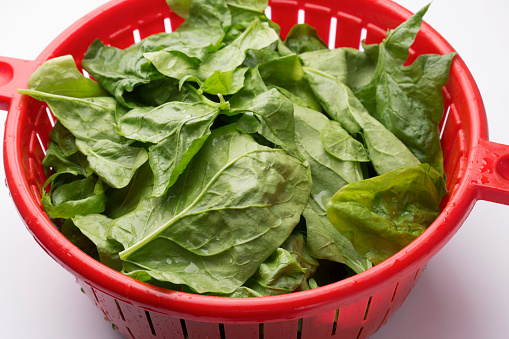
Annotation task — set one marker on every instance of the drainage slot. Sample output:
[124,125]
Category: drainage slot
[136,36]
[332,32]
[119,310]
[260,331]
[167,25]
[446,116]
[222,335]
[335,324]
[130,333]
[367,308]
[364,34]
[147,314]
[395,291]
[184,328]
[299,328]
[301,16]
[50,117]
[360,332]
[95,295]
[268,12]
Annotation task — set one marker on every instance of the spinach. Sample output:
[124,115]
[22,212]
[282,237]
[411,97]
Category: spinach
[221,189]
[220,159]
[329,174]
[304,38]
[381,215]
[415,90]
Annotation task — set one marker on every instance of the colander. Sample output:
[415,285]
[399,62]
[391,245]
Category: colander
[353,308]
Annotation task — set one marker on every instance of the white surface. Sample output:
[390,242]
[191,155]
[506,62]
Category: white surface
[462,294]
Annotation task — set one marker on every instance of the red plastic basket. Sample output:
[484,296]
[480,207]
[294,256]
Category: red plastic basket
[353,308]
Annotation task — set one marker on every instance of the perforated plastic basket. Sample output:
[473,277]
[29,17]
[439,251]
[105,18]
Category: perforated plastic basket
[353,308]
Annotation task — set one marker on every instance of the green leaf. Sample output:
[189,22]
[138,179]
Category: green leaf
[124,200]
[252,5]
[279,274]
[408,100]
[178,131]
[329,174]
[381,215]
[79,197]
[275,114]
[347,65]
[218,223]
[55,158]
[287,72]
[257,36]
[337,142]
[115,163]
[296,245]
[385,150]
[225,83]
[120,71]
[97,227]
[63,138]
[89,119]
[304,38]
[60,76]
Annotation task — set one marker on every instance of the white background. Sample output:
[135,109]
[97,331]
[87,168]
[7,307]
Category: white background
[462,294]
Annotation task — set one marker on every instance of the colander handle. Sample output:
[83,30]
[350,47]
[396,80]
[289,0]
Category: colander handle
[489,172]
[14,74]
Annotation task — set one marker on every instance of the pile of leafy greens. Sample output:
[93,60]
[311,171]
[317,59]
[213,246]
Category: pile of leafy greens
[219,159]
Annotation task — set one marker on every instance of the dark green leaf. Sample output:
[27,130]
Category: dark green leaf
[385,150]
[304,38]
[115,163]
[287,72]
[97,227]
[79,197]
[408,100]
[218,223]
[329,174]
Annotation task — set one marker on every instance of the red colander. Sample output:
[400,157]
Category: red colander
[353,308]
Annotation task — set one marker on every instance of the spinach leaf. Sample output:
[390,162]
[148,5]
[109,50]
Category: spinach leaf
[124,200]
[55,159]
[304,38]
[329,174]
[257,36]
[381,215]
[91,121]
[279,274]
[257,6]
[276,122]
[63,138]
[121,70]
[347,65]
[218,223]
[225,83]
[296,245]
[177,129]
[97,227]
[60,76]
[79,197]
[287,75]
[116,163]
[385,150]
[243,13]
[337,142]
[408,100]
